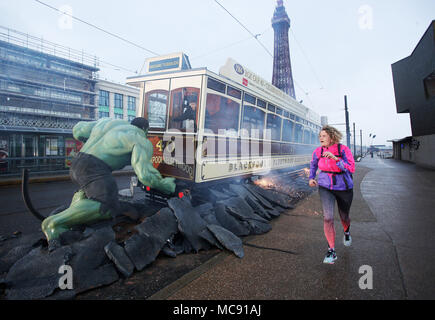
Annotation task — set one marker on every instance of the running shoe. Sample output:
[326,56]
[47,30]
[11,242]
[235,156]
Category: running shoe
[330,257]
[347,239]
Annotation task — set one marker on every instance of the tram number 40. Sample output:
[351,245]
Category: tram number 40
[159,145]
[170,146]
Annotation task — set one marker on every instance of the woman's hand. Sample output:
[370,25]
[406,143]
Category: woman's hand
[312,183]
[330,155]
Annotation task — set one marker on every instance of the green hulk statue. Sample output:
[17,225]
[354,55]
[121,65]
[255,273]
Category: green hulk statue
[110,145]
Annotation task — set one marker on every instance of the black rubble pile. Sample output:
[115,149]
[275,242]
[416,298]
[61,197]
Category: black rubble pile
[100,254]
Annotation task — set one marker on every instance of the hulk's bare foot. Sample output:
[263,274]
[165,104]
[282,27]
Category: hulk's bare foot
[81,212]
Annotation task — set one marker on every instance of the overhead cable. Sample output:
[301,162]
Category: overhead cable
[96,27]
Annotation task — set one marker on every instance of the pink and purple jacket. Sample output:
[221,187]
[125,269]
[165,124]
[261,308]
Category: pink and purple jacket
[333,175]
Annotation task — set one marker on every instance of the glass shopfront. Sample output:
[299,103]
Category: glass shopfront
[35,151]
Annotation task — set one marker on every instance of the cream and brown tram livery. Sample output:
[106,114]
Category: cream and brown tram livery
[208,127]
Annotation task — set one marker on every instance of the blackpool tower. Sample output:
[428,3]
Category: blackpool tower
[282,70]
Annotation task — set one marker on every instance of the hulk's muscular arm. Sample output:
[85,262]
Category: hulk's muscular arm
[82,130]
[146,173]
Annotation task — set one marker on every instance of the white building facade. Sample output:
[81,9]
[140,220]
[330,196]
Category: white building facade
[116,101]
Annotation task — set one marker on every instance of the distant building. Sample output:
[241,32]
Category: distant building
[45,89]
[414,86]
[117,101]
[324,120]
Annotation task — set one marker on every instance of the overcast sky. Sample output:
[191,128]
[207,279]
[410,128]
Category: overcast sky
[337,47]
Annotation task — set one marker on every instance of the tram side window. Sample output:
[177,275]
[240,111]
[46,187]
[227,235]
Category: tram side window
[287,130]
[250,99]
[221,113]
[233,92]
[156,105]
[298,133]
[215,85]
[307,136]
[313,137]
[183,110]
[274,126]
[253,122]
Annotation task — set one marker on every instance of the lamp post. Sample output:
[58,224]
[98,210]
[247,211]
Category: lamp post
[373,136]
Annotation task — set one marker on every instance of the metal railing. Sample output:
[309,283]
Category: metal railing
[44,46]
[13,166]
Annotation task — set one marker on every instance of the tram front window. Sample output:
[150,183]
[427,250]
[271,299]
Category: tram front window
[221,114]
[253,122]
[157,102]
[183,109]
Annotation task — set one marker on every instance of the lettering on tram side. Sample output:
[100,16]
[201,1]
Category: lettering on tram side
[157,159]
[264,85]
[186,168]
[245,165]
[280,162]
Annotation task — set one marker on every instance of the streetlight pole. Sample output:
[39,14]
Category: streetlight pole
[347,122]
[354,141]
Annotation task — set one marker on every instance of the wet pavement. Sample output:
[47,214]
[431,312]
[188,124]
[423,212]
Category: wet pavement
[393,235]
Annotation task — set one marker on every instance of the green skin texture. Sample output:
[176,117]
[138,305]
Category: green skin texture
[117,143]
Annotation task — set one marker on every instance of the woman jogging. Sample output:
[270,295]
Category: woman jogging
[335,182]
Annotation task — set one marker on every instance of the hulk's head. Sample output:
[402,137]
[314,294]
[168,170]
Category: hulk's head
[141,123]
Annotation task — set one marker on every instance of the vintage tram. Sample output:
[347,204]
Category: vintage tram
[221,126]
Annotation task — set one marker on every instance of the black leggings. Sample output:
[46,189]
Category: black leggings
[344,201]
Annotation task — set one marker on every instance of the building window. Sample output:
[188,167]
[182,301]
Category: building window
[119,116]
[104,98]
[130,118]
[429,86]
[118,100]
[131,103]
[103,115]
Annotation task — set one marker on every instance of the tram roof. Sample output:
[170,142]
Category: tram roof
[288,104]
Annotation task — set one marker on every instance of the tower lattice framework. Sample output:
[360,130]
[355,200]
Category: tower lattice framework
[282,77]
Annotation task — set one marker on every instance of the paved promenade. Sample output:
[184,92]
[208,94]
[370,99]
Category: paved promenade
[393,231]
